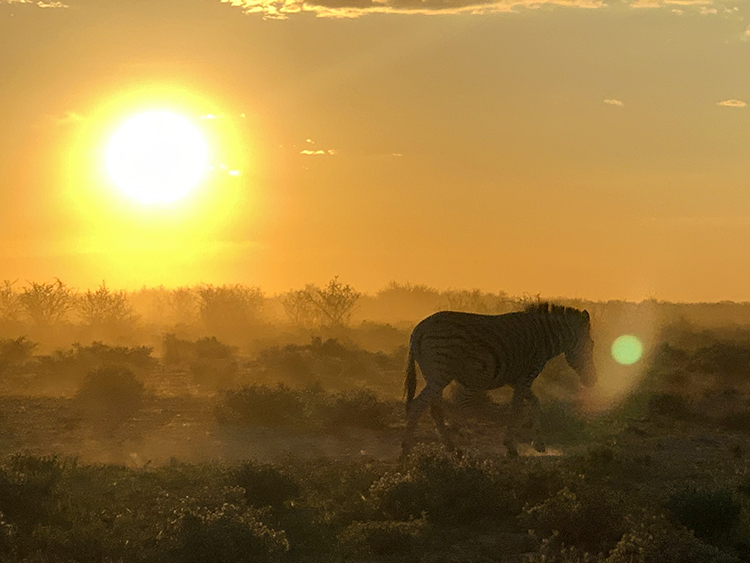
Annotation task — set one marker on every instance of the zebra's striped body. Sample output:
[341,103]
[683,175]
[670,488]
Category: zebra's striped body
[485,352]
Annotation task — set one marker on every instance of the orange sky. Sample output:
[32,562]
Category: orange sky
[598,150]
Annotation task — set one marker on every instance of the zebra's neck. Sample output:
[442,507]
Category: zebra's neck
[556,334]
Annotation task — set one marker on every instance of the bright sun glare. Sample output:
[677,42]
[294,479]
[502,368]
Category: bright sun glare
[157,157]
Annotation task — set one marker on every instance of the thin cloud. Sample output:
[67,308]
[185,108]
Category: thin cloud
[38,4]
[732,104]
[282,9]
[613,102]
[319,152]
[702,4]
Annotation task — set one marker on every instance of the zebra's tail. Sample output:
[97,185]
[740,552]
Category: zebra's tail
[410,384]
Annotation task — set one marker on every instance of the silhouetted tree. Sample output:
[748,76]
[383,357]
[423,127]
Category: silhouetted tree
[105,308]
[229,307]
[47,303]
[335,302]
[300,308]
[183,305]
[10,304]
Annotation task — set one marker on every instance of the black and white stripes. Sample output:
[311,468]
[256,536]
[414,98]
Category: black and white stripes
[485,352]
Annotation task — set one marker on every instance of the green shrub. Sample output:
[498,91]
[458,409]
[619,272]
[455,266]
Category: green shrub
[7,536]
[363,539]
[328,361]
[112,393]
[710,514]
[537,482]
[447,489]
[98,354]
[176,351]
[282,406]
[27,488]
[15,352]
[289,363]
[657,541]
[729,360]
[261,405]
[265,485]
[552,550]
[210,361]
[66,369]
[229,534]
[359,408]
[591,520]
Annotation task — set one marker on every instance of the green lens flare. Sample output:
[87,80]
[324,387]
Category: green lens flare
[627,349]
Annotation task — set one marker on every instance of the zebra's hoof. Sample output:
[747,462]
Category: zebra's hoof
[405,451]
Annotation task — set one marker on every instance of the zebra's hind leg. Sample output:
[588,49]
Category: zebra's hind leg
[416,408]
[518,413]
[516,410]
[438,415]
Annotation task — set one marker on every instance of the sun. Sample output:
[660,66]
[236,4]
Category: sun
[157,157]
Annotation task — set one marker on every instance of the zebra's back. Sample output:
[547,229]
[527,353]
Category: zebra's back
[479,351]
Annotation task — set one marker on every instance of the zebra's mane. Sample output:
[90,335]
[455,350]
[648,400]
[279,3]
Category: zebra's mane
[548,308]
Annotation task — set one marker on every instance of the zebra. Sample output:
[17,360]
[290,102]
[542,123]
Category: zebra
[485,352]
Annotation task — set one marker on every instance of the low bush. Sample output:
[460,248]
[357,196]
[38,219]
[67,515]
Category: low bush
[711,514]
[658,540]
[382,538]
[282,406]
[727,359]
[229,534]
[265,485]
[329,361]
[27,488]
[15,352]
[447,489]
[591,520]
[99,354]
[64,370]
[359,408]
[112,393]
[178,351]
[8,535]
[261,405]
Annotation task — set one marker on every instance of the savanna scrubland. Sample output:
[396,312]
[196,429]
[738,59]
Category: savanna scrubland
[219,423]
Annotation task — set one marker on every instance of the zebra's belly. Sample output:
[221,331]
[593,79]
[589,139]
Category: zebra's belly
[477,373]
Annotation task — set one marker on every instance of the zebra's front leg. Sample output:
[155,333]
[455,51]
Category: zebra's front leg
[536,413]
[416,408]
[438,415]
[516,410]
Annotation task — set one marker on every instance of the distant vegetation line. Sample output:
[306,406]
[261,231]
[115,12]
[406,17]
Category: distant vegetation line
[56,314]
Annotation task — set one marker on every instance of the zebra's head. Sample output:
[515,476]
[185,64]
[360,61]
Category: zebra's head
[580,356]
